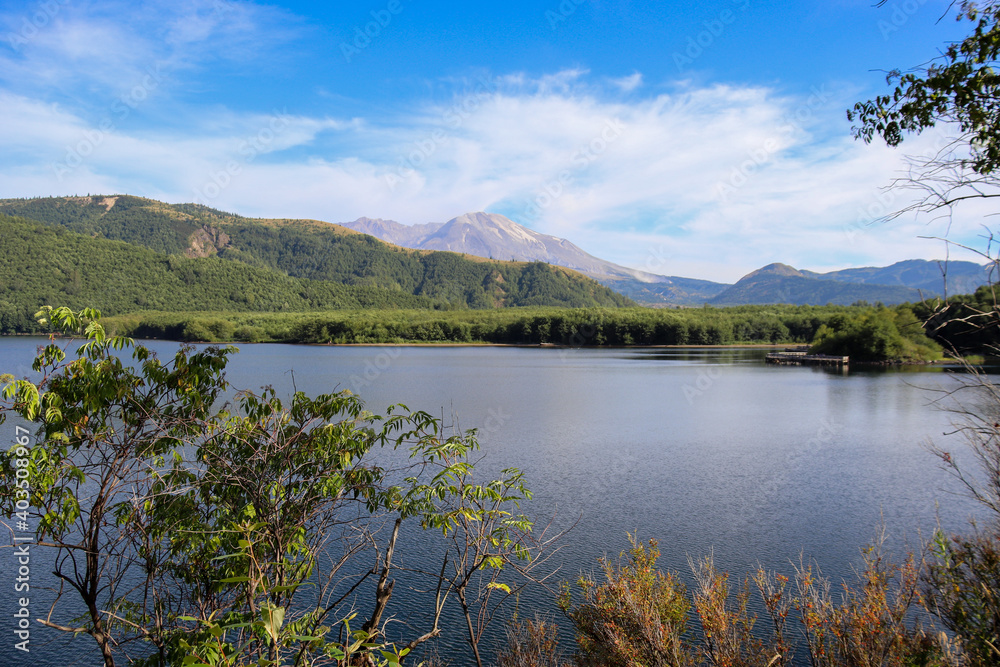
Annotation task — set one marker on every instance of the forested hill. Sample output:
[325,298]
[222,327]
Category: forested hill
[43,264]
[277,253]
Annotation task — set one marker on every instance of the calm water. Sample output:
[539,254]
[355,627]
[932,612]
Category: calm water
[708,451]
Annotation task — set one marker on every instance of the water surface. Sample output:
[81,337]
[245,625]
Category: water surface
[710,451]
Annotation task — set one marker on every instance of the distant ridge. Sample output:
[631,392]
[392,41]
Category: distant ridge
[352,254]
[498,237]
[930,276]
[912,280]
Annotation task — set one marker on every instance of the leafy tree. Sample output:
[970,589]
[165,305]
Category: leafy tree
[105,427]
[959,90]
[961,87]
[195,535]
[876,335]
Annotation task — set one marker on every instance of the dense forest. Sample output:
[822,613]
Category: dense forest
[525,326]
[41,264]
[131,219]
[45,264]
[967,323]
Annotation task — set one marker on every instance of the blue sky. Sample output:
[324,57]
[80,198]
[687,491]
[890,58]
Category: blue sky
[702,139]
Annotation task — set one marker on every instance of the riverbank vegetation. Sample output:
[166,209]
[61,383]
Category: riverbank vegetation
[524,326]
[865,333]
[877,335]
[251,533]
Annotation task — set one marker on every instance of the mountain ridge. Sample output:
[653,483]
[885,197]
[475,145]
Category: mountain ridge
[494,235]
[317,256]
[319,250]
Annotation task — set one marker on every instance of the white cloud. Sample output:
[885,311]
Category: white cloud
[628,83]
[707,182]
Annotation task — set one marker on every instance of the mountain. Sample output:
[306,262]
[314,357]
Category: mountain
[351,254]
[780,283]
[929,276]
[497,237]
[390,231]
[674,291]
[229,262]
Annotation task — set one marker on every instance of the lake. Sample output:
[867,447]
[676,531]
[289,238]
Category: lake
[710,451]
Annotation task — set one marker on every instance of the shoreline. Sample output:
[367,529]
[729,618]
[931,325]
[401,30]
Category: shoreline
[860,365]
[551,346]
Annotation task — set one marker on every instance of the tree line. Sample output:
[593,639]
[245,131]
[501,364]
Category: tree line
[866,333]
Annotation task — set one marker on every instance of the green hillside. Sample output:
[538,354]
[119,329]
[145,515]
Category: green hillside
[122,218]
[126,254]
[42,264]
[314,250]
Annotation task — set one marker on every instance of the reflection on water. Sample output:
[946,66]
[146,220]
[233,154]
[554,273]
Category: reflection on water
[707,450]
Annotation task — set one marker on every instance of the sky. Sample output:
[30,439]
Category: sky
[698,139]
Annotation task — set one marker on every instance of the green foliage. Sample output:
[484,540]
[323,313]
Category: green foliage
[199,536]
[267,265]
[42,264]
[121,218]
[963,590]
[877,335]
[522,326]
[965,324]
[961,87]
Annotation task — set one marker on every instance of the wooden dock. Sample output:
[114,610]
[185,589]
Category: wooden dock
[799,357]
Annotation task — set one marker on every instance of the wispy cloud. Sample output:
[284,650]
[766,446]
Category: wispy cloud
[703,180]
[629,83]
